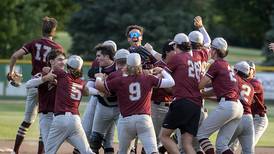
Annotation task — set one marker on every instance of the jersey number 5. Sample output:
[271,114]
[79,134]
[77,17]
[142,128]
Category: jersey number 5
[76,93]
[134,91]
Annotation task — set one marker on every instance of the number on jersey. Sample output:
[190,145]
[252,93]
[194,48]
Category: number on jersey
[194,69]
[245,92]
[76,93]
[134,91]
[38,52]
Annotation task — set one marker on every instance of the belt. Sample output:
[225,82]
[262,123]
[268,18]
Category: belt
[64,113]
[261,114]
[227,99]
[161,103]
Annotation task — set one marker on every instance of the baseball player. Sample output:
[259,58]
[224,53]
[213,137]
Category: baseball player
[259,108]
[88,116]
[226,116]
[133,90]
[38,49]
[186,107]
[46,91]
[66,124]
[107,112]
[245,129]
[161,98]
[200,43]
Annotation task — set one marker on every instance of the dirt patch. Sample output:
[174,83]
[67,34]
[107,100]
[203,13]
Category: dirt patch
[30,147]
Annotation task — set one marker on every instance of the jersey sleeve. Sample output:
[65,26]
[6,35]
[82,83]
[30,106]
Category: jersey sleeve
[112,85]
[155,81]
[59,73]
[172,64]
[28,47]
[212,71]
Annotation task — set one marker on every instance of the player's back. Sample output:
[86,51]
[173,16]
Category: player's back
[246,94]
[186,74]
[69,92]
[39,50]
[134,93]
[259,106]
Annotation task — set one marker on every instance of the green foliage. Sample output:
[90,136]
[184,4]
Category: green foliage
[242,23]
[269,38]
[21,20]
[98,21]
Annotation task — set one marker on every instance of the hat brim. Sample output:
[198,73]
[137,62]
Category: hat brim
[172,43]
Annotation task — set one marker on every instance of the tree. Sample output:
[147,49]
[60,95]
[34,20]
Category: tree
[269,37]
[98,21]
[21,20]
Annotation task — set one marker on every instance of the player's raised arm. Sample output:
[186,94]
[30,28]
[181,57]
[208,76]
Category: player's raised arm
[167,80]
[198,23]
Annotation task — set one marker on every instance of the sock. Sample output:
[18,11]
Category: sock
[207,146]
[40,145]
[20,135]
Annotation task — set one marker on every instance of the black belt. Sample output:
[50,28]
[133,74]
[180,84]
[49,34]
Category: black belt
[228,99]
[159,103]
[63,113]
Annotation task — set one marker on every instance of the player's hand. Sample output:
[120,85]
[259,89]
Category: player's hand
[271,46]
[100,75]
[157,70]
[15,78]
[45,70]
[49,77]
[148,47]
[198,22]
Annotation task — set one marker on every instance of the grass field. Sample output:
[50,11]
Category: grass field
[11,115]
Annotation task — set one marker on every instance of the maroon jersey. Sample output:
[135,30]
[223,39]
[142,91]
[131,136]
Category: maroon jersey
[68,92]
[161,94]
[223,79]
[39,50]
[95,63]
[259,106]
[114,75]
[133,92]
[246,94]
[200,57]
[186,75]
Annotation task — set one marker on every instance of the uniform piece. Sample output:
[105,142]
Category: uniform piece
[66,123]
[226,116]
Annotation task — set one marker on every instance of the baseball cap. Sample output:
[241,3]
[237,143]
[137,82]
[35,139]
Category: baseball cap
[111,43]
[243,67]
[251,64]
[75,62]
[121,53]
[134,59]
[219,43]
[196,36]
[179,39]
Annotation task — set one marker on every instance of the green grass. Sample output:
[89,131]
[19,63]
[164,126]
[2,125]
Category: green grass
[237,54]
[11,115]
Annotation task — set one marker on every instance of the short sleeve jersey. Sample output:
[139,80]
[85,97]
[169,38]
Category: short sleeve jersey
[186,76]
[69,92]
[134,93]
[246,94]
[223,79]
[39,50]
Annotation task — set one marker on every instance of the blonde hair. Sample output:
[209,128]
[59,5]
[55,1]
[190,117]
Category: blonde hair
[134,70]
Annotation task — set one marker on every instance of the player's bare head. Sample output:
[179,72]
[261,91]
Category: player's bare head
[181,42]
[74,65]
[242,68]
[134,34]
[56,55]
[197,39]
[121,58]
[49,26]
[219,46]
[110,43]
[105,50]
[167,48]
[134,66]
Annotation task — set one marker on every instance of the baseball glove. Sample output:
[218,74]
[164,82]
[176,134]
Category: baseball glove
[15,79]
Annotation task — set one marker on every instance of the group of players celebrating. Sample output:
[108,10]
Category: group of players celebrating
[150,96]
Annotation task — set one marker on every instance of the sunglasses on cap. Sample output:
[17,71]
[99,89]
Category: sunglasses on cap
[134,34]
